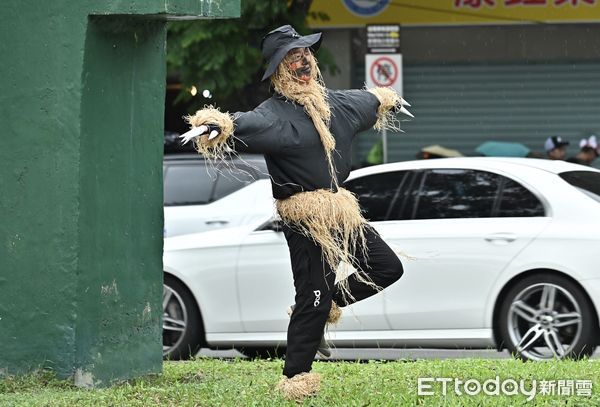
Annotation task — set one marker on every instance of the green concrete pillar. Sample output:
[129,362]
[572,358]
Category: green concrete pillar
[81,184]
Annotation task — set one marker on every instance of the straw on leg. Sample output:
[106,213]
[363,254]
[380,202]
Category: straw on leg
[300,386]
[335,313]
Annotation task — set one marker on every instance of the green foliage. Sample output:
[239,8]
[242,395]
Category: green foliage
[224,56]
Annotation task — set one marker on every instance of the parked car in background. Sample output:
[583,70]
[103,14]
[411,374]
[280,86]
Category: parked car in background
[199,196]
[498,252]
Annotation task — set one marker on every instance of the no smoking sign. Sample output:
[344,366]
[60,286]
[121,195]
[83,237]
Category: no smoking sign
[384,70]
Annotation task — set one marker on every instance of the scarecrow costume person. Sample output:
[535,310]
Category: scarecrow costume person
[305,132]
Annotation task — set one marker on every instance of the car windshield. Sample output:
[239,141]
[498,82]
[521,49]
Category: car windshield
[586,181]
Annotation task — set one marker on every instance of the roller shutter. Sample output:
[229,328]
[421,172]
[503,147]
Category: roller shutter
[461,106]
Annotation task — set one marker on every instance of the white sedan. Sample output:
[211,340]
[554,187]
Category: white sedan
[200,196]
[497,252]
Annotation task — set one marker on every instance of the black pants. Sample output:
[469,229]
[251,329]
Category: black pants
[315,289]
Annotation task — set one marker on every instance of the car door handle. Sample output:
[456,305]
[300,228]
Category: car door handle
[216,222]
[501,237]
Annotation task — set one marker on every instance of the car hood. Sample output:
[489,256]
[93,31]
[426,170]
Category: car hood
[214,238]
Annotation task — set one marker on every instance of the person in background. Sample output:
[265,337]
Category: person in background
[556,148]
[589,151]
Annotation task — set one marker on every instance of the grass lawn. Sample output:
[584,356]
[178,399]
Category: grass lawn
[214,382]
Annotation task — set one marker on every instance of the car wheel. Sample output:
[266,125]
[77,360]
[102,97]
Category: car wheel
[262,352]
[546,317]
[182,325]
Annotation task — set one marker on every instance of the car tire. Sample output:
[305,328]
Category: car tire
[547,316]
[183,332]
[262,352]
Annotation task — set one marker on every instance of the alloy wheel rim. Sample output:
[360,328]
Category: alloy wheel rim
[544,322]
[175,319]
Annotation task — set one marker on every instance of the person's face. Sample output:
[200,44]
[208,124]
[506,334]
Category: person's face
[589,155]
[298,60]
[558,153]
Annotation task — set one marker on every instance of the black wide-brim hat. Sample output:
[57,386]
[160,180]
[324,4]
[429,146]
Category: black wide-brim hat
[277,43]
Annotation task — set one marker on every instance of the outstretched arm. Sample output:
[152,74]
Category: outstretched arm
[375,107]
[216,134]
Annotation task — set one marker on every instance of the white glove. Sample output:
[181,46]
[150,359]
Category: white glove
[214,131]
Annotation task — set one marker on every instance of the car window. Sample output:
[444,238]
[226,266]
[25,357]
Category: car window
[586,181]
[376,193]
[188,184]
[403,206]
[518,201]
[456,193]
[230,180]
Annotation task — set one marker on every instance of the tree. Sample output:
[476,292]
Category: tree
[223,56]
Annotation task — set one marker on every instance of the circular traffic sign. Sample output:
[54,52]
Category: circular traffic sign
[383,71]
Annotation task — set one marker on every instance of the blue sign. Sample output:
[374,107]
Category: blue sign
[366,8]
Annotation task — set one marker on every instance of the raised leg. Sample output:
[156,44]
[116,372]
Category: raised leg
[381,264]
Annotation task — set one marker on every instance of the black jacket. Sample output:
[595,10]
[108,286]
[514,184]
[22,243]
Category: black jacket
[285,134]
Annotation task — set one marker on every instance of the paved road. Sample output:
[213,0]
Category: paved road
[393,354]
